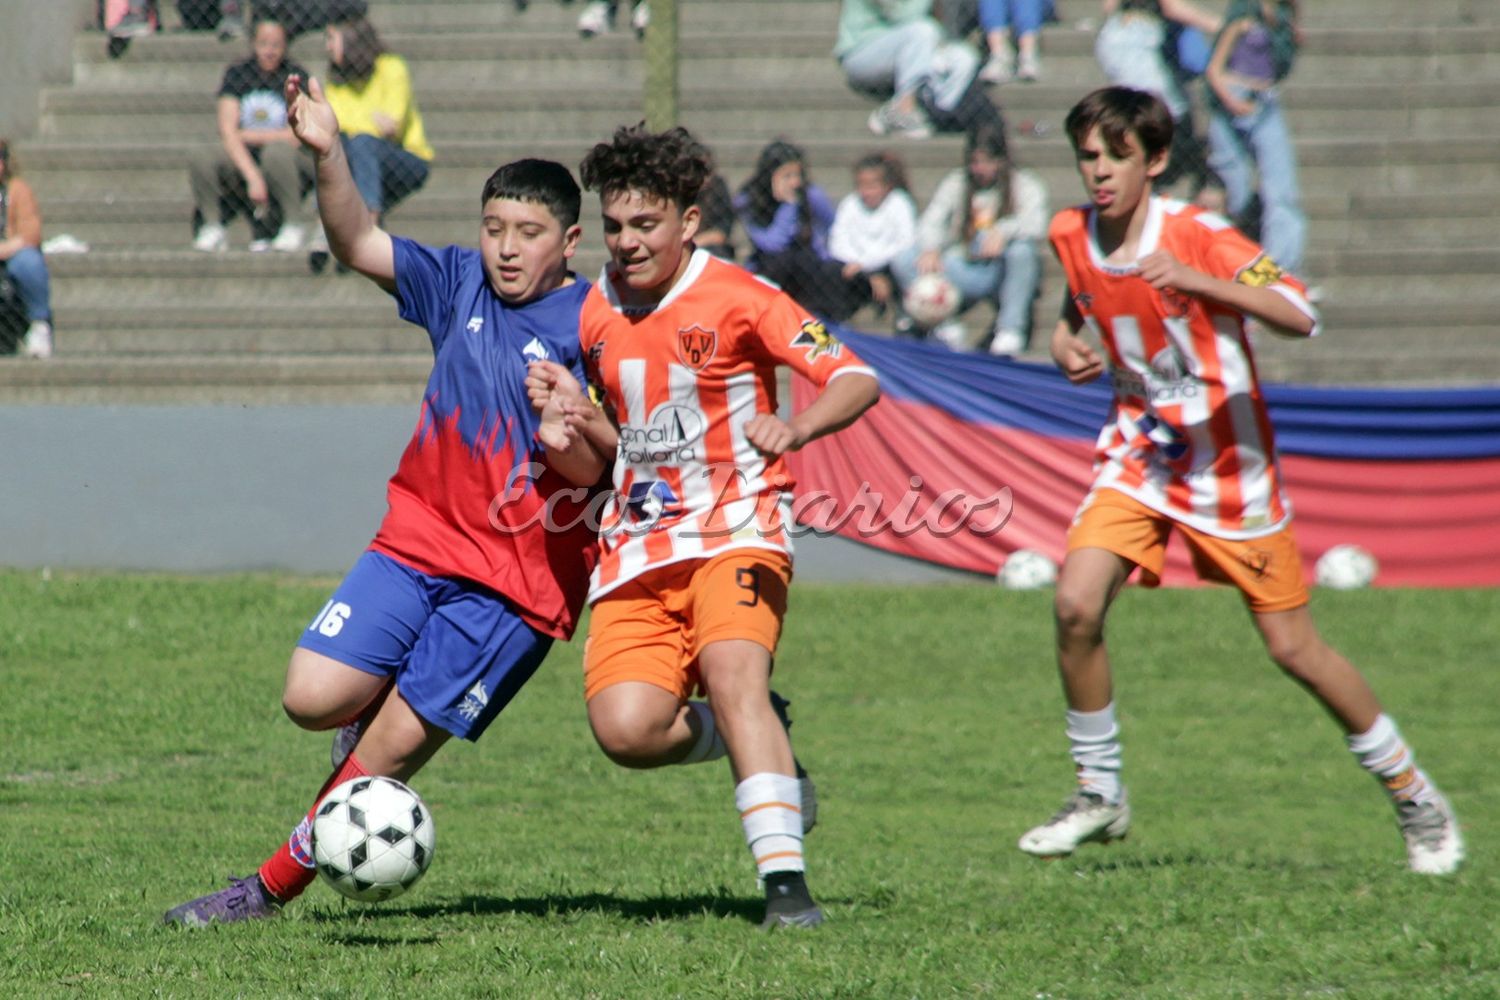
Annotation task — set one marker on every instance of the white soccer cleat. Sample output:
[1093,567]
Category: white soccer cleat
[1085,818]
[1434,845]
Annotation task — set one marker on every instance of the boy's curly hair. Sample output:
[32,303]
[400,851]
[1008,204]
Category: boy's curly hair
[670,165]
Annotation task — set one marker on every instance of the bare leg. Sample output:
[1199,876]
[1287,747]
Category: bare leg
[1086,587]
[1294,643]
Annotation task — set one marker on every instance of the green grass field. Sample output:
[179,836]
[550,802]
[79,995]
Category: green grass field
[144,757]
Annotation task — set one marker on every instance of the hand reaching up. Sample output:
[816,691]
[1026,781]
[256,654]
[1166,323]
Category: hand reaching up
[310,115]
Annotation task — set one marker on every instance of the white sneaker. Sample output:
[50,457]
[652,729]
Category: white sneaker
[1084,818]
[1000,67]
[289,240]
[890,119]
[38,341]
[640,17]
[950,333]
[259,245]
[1007,343]
[1028,67]
[1434,845]
[594,20]
[211,238]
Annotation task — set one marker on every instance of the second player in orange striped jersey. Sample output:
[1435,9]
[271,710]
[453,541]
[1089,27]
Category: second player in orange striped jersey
[1189,434]
[684,379]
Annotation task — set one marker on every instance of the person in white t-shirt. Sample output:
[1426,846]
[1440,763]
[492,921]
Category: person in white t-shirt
[874,224]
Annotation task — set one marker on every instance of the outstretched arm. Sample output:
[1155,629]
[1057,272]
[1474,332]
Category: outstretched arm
[353,236]
[839,404]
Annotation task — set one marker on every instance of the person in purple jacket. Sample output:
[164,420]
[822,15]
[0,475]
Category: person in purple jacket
[787,218]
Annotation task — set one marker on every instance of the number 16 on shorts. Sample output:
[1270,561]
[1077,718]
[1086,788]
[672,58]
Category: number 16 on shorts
[330,621]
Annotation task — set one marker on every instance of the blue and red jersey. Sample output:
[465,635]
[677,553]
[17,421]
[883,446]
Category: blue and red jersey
[471,497]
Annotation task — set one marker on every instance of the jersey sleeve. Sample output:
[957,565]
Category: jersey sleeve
[425,281]
[788,335]
[1233,256]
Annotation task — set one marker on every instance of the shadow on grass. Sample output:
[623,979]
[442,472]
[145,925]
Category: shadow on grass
[645,910]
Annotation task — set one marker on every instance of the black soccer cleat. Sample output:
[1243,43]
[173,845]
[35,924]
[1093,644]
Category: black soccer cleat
[788,903]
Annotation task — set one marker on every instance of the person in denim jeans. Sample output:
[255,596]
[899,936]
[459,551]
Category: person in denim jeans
[1247,132]
[370,91]
[981,230]
[1007,22]
[896,47]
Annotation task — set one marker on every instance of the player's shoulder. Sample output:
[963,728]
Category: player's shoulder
[1070,222]
[1193,220]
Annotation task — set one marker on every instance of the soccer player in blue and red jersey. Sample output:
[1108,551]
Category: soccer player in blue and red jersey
[464,588]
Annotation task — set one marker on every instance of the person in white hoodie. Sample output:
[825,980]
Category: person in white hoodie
[981,230]
[874,224]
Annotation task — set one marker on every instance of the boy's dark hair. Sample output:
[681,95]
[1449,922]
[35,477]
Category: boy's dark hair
[669,165]
[542,182]
[1120,112]
[756,198]
[362,46]
[891,168]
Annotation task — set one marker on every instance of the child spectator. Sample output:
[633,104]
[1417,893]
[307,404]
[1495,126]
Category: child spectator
[981,230]
[874,224]
[1247,133]
[21,258]
[787,218]
[259,165]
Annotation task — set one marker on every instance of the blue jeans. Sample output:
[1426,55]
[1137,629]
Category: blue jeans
[1010,280]
[1238,148]
[1022,17]
[901,59]
[29,272]
[383,171]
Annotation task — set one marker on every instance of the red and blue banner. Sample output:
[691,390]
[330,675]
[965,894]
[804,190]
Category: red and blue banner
[958,440]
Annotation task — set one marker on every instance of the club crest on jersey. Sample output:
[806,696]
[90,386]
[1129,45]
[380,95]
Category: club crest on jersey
[650,501]
[814,336]
[696,346]
[1260,274]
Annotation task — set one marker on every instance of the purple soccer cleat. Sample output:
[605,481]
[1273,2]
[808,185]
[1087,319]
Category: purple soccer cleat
[245,899]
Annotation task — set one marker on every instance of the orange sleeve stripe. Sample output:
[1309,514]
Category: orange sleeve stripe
[770,805]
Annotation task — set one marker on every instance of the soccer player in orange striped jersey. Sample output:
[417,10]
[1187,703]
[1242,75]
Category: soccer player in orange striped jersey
[695,554]
[1168,290]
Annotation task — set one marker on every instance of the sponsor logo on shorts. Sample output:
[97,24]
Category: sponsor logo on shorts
[474,702]
[1257,561]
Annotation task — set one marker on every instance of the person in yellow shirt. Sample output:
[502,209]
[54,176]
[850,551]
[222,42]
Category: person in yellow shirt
[370,91]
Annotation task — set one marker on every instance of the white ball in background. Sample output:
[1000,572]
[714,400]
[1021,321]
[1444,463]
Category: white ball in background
[931,299]
[1027,569]
[1346,567]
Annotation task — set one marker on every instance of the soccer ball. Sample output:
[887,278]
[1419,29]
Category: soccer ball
[1027,569]
[372,838]
[1346,567]
[931,299]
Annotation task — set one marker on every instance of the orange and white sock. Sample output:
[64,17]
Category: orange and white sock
[770,808]
[1383,753]
[1094,742]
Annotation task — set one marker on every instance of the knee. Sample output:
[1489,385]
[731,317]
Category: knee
[1079,619]
[27,262]
[625,742]
[1296,655]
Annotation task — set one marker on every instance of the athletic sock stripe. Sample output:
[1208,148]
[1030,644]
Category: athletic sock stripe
[770,805]
[761,859]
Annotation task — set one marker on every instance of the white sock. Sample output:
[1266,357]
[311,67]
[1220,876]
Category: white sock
[710,745]
[1094,741]
[770,808]
[1383,753]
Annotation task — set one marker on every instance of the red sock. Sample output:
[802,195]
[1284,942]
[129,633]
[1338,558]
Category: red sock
[290,870]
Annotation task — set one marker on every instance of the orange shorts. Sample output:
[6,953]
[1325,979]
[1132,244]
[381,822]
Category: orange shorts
[1267,570]
[653,628]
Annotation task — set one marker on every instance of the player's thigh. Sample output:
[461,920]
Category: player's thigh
[369,626]
[1111,535]
[473,656]
[1266,570]
[638,634]
[740,595]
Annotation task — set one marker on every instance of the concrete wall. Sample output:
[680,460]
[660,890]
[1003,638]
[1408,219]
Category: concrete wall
[36,48]
[232,488]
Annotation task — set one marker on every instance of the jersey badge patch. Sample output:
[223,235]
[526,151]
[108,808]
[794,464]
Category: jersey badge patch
[816,339]
[696,346]
[1260,274]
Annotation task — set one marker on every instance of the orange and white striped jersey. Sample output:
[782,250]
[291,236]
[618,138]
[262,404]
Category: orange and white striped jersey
[1188,434]
[684,378]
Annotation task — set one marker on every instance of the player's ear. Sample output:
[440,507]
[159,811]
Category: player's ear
[691,217]
[571,236]
[1158,163]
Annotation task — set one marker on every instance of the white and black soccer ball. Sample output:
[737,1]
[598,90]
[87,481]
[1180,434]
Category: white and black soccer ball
[1027,569]
[372,838]
[931,299]
[1346,567]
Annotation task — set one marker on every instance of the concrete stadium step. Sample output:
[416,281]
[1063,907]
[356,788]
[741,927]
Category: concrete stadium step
[551,16]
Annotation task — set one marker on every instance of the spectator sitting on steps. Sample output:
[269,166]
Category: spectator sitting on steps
[21,258]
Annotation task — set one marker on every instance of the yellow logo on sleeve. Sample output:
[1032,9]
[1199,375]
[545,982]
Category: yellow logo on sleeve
[815,337]
[1260,274]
